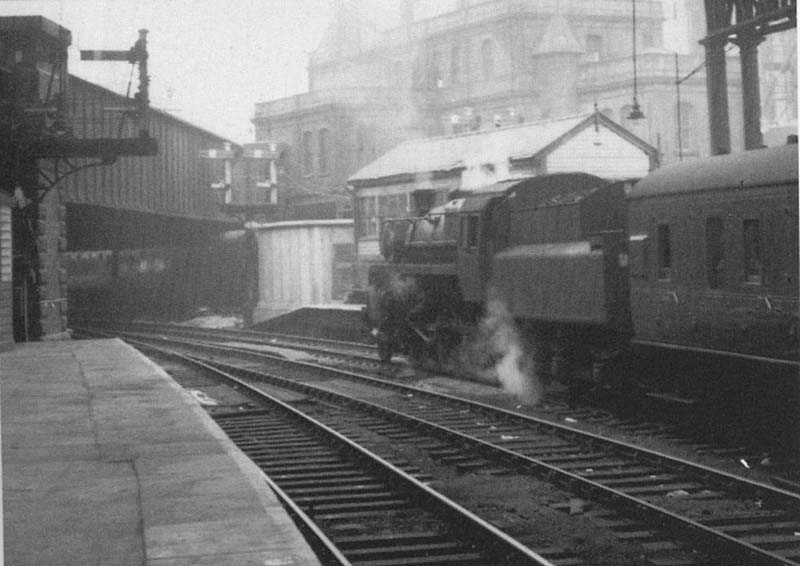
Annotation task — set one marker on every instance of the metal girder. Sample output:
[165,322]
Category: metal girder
[745,23]
[729,20]
[107,149]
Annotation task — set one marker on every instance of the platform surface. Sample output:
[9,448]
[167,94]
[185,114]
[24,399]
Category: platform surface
[107,461]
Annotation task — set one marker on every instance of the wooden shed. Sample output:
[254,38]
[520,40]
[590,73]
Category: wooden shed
[302,263]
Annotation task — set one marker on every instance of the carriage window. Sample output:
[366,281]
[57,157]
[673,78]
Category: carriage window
[664,252]
[714,252]
[752,250]
[469,231]
[638,245]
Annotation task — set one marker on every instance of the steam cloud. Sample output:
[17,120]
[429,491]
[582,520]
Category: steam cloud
[401,288]
[499,343]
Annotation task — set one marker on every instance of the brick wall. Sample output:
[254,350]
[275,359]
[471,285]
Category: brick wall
[6,311]
[50,242]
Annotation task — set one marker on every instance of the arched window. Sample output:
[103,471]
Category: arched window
[398,73]
[455,65]
[434,70]
[487,58]
[324,149]
[594,47]
[308,153]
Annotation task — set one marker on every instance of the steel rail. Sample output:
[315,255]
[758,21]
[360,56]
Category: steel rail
[699,469]
[711,539]
[307,525]
[757,488]
[239,333]
[499,543]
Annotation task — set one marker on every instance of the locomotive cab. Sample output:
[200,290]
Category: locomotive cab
[476,245]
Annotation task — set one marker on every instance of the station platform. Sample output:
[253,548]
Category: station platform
[334,321]
[106,460]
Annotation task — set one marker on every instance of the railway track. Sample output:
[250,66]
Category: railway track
[683,430]
[737,520]
[356,507]
[361,352]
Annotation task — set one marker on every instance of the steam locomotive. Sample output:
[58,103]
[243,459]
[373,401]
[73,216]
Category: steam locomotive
[614,283]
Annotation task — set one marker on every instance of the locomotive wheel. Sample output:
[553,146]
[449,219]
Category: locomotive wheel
[444,347]
[385,350]
[416,352]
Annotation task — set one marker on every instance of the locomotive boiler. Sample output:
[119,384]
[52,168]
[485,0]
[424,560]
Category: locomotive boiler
[697,261]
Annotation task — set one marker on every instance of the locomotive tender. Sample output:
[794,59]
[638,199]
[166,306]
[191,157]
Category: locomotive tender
[696,260]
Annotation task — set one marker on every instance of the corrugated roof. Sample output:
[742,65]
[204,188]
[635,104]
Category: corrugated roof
[171,117]
[424,156]
[749,168]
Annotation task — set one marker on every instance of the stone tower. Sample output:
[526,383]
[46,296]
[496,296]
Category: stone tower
[555,61]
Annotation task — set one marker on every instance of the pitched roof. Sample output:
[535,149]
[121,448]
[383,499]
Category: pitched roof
[512,143]
[448,153]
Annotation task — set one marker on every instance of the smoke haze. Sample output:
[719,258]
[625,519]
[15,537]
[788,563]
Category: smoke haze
[503,355]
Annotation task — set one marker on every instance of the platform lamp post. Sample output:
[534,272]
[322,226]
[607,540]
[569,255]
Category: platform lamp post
[636,112]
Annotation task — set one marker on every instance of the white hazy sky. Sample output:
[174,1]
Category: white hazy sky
[209,61]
